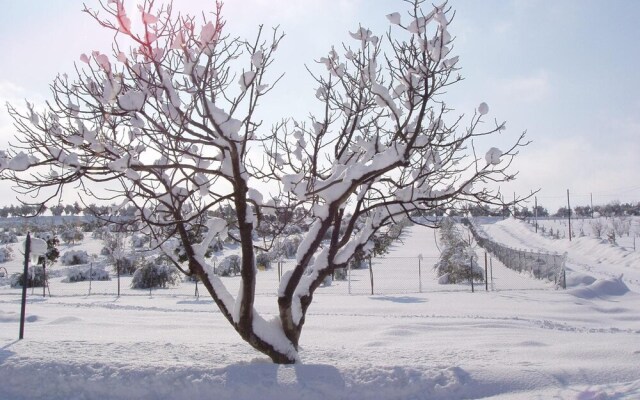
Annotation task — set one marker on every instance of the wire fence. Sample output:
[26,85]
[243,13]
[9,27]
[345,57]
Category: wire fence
[540,265]
[375,276]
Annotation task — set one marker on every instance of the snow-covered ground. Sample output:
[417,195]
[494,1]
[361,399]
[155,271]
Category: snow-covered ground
[582,343]
[627,236]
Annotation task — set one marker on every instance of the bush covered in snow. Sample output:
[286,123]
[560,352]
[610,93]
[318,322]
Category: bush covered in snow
[288,247]
[340,274]
[101,232]
[126,265]
[382,241]
[293,230]
[456,257]
[8,237]
[359,262]
[71,236]
[6,254]
[53,242]
[87,272]
[216,245]
[35,277]
[139,241]
[155,274]
[75,257]
[264,260]
[229,266]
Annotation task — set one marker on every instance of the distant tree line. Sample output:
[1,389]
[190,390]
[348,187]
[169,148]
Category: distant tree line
[26,210]
[283,219]
[612,209]
[285,215]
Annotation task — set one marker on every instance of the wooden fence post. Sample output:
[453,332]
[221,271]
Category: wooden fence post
[420,273]
[471,275]
[118,272]
[486,276]
[349,276]
[27,250]
[371,275]
[491,272]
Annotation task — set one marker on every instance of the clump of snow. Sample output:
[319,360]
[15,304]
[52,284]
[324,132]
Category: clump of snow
[284,281]
[271,331]
[133,100]
[384,99]
[229,126]
[363,34]
[451,62]
[246,79]
[255,195]
[37,246]
[216,228]
[493,156]
[579,279]
[257,59]
[19,162]
[483,108]
[208,35]
[394,18]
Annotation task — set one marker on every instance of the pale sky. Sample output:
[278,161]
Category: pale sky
[564,71]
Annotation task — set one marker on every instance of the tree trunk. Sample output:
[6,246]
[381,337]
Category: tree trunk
[245,330]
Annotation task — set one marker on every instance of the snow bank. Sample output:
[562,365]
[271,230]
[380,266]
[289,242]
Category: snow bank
[262,380]
[258,380]
[586,256]
[579,279]
[601,288]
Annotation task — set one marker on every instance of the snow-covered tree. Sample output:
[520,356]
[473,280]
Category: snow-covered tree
[169,121]
[52,254]
[155,274]
[71,235]
[6,254]
[229,266]
[598,227]
[74,257]
[57,210]
[8,237]
[458,261]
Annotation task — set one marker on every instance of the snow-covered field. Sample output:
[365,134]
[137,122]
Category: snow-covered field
[582,343]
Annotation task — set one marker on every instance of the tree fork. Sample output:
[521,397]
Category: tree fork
[247,334]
